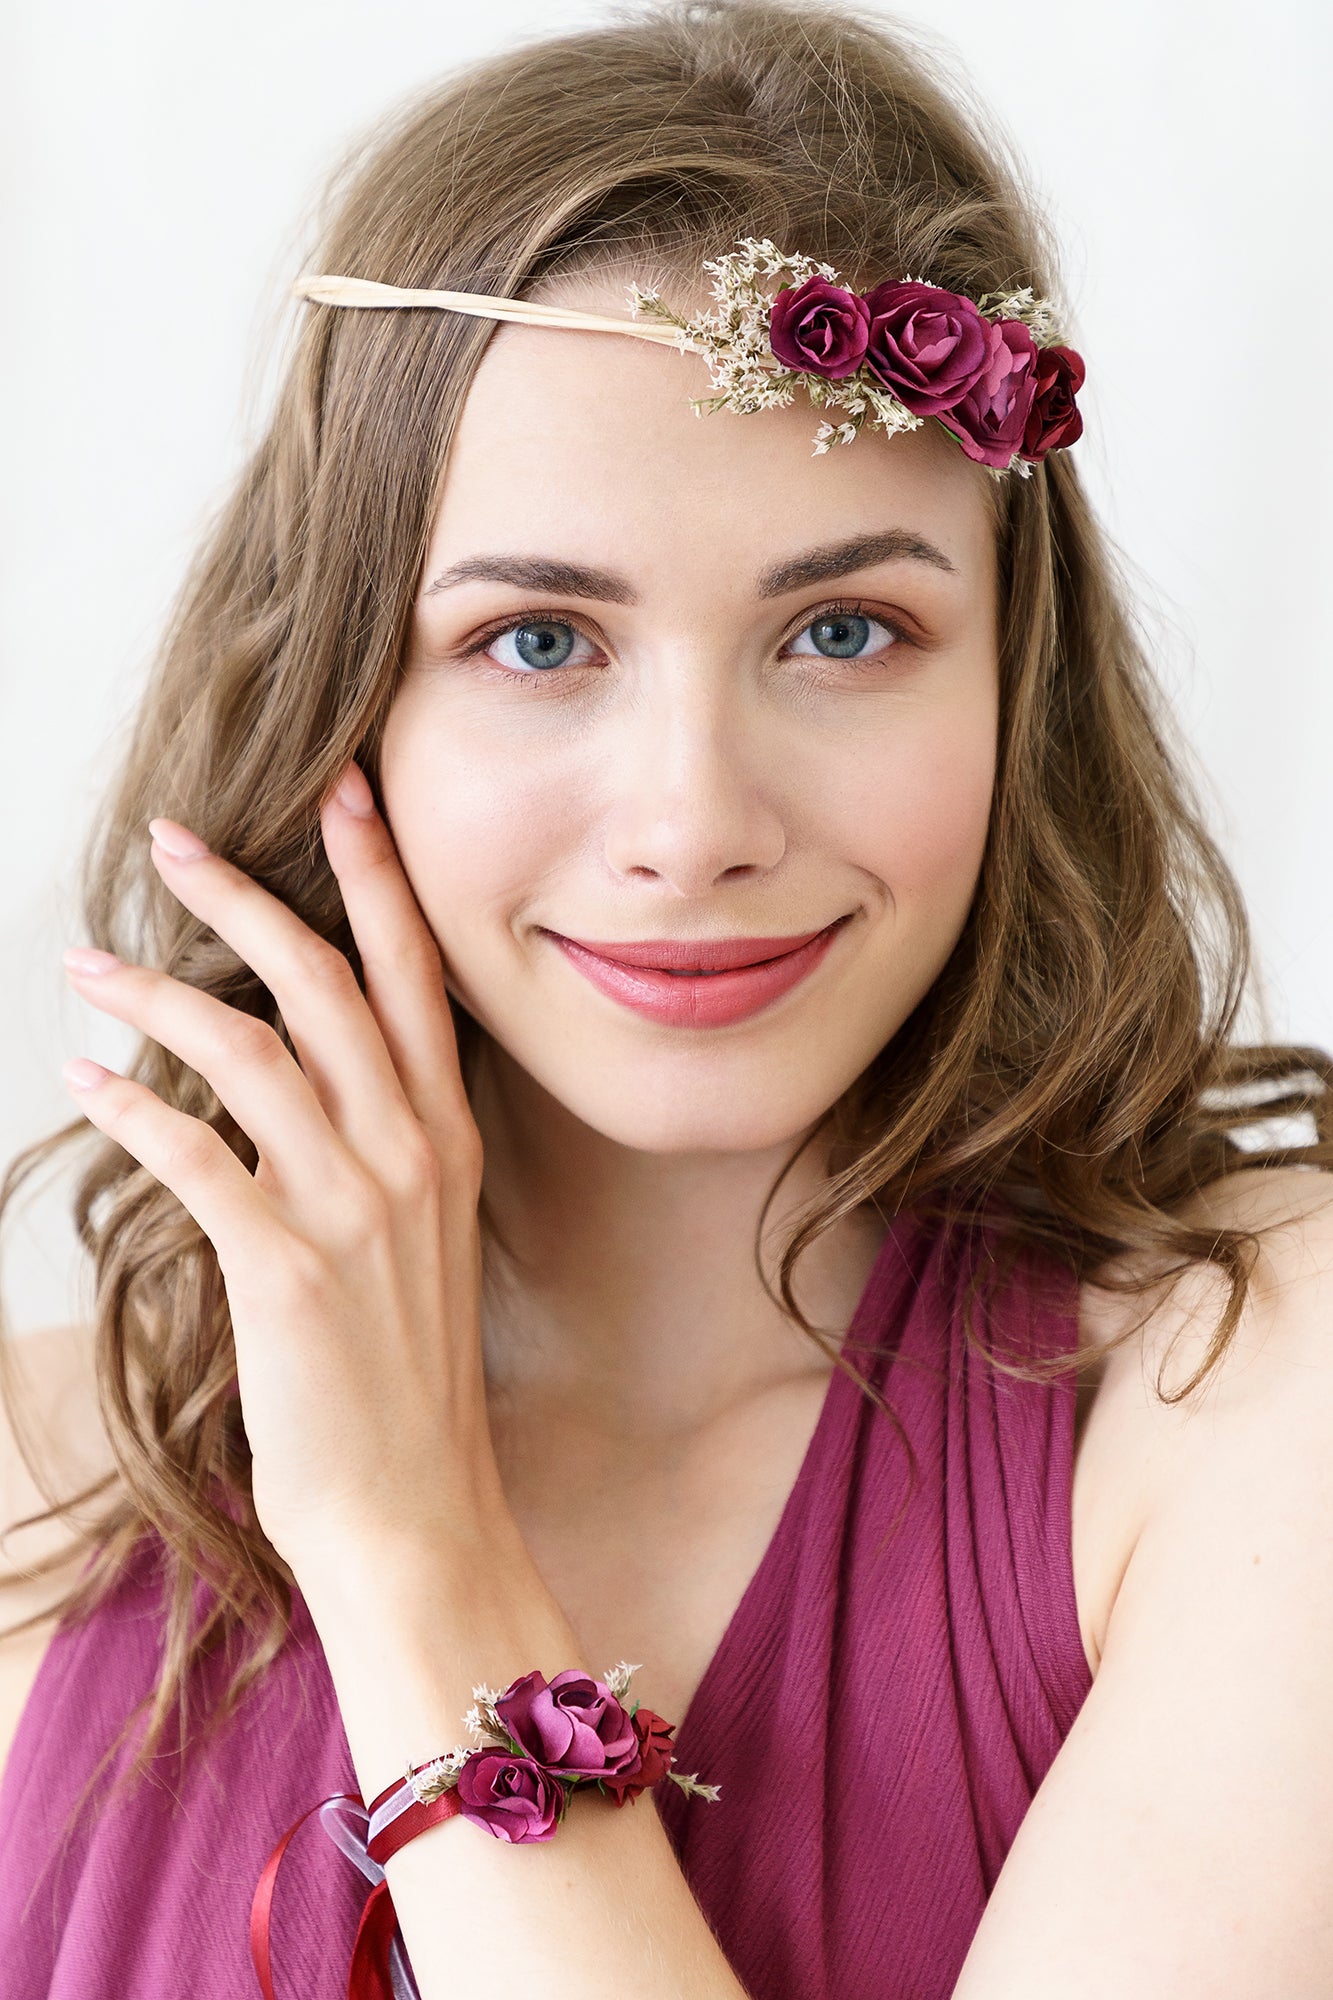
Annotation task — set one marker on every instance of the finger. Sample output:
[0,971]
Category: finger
[325,1012]
[243,1059]
[186,1156]
[400,958]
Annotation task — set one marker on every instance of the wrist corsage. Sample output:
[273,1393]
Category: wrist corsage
[541,1740]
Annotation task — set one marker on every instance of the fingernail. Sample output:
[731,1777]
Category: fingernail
[177,841]
[84,1075]
[353,793]
[83,958]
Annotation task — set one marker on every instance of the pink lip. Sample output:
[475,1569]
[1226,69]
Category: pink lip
[738,976]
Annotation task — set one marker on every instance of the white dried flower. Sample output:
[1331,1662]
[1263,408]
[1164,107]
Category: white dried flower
[440,1775]
[1039,316]
[693,1788]
[482,1719]
[617,1678]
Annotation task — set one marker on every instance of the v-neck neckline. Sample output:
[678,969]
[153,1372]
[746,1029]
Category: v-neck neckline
[698,1713]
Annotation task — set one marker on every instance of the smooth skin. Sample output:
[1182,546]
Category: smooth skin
[626,1410]
[696,769]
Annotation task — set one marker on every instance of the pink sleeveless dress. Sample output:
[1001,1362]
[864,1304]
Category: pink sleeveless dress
[878,1714]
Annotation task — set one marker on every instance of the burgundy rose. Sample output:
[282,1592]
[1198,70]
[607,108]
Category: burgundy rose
[656,1756]
[820,328]
[989,421]
[927,345]
[1054,420]
[572,1726]
[512,1797]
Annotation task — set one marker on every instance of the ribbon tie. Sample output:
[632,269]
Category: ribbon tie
[379,1969]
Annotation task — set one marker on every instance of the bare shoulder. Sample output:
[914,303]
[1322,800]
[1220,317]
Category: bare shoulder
[55,1390]
[1134,1443]
[1174,1321]
[1181,1839]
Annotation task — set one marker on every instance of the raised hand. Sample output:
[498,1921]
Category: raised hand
[352,1256]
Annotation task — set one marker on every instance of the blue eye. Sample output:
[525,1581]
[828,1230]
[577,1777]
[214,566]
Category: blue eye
[538,643]
[841,635]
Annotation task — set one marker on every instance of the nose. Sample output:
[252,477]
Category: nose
[696,792]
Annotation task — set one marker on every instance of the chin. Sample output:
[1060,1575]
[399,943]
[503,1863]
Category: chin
[759,1096]
[713,1115]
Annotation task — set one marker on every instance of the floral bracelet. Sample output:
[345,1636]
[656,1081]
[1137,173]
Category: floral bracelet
[546,1739]
[542,1741]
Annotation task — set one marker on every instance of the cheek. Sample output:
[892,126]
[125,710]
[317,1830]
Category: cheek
[915,808]
[479,823]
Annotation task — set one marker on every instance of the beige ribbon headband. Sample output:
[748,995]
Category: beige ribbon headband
[338,291]
[993,371]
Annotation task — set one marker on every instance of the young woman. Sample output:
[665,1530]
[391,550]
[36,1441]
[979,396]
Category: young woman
[687,1122]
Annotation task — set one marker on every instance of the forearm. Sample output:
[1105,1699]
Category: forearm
[601,1908]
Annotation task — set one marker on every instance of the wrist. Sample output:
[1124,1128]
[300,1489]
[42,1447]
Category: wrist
[384,1571]
[407,1639]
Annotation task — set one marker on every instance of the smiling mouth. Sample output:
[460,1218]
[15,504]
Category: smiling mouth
[746,976]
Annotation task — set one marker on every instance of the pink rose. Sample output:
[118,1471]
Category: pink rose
[990,419]
[1054,421]
[656,1755]
[512,1797]
[572,1726]
[820,328]
[926,345]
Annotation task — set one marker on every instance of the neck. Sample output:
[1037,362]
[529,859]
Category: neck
[628,1279]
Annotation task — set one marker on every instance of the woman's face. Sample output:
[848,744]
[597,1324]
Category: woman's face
[678,679]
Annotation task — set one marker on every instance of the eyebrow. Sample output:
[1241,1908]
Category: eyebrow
[818,565]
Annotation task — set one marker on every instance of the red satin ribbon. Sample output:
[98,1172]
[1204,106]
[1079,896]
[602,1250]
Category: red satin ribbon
[368,1976]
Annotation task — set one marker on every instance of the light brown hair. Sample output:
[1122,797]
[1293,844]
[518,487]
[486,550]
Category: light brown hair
[1061,1078]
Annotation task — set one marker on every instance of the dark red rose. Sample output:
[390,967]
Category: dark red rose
[926,345]
[573,1726]
[512,1797]
[656,1755]
[989,421]
[1054,420]
[820,328]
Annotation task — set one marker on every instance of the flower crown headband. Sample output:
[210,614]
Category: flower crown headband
[994,371]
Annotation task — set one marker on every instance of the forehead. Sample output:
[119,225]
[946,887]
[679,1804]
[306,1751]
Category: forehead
[570,441]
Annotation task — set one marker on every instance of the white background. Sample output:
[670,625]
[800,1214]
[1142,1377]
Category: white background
[160,159]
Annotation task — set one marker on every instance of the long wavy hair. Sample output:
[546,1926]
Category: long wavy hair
[1071,1076]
